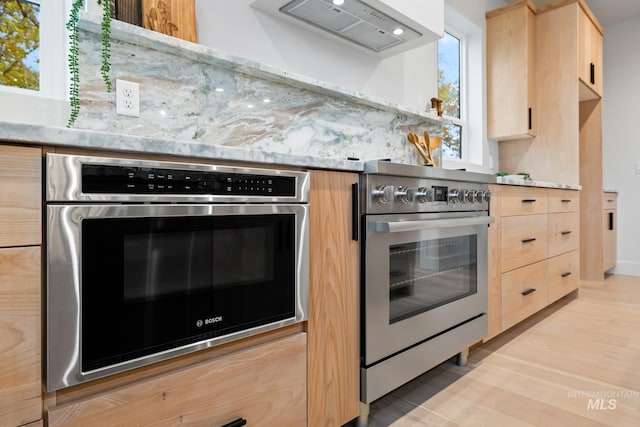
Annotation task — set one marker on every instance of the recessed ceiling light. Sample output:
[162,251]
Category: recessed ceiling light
[219,89]
[398,31]
[266,100]
[338,2]
[250,106]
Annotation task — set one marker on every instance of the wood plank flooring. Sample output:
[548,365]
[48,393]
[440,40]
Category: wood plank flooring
[576,363]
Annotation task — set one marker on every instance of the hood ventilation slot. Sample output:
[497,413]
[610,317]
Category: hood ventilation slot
[354,21]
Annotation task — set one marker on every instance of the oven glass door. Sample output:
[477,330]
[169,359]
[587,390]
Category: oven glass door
[423,276]
[157,278]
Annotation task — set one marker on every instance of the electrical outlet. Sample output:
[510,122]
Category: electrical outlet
[637,167]
[127,98]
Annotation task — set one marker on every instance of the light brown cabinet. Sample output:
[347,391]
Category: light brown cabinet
[20,285]
[511,71]
[534,256]
[333,326]
[264,385]
[590,65]
[609,230]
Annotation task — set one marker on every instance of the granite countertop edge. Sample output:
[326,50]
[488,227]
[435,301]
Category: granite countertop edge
[530,183]
[101,140]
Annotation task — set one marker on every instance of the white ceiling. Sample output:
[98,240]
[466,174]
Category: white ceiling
[608,11]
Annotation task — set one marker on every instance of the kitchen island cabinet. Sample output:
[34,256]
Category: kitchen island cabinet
[20,285]
[333,328]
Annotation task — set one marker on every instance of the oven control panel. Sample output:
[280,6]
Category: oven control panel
[112,179]
[409,195]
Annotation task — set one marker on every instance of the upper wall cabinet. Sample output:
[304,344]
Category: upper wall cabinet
[380,27]
[590,56]
[511,71]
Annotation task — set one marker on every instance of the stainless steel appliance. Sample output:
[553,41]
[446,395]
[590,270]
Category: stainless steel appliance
[149,260]
[424,289]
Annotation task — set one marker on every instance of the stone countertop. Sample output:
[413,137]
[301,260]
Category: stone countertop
[99,140]
[530,183]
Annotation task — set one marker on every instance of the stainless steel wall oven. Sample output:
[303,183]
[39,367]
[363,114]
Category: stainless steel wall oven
[149,260]
[425,273]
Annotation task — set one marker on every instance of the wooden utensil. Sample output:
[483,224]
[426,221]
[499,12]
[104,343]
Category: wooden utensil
[415,140]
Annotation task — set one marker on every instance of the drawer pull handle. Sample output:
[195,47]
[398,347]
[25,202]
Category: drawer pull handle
[528,200]
[567,274]
[610,200]
[566,200]
[532,239]
[237,423]
[528,291]
[564,233]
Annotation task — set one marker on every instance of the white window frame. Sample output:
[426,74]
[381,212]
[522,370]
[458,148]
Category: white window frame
[464,150]
[476,154]
[53,52]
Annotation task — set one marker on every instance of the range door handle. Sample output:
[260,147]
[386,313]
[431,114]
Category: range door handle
[429,224]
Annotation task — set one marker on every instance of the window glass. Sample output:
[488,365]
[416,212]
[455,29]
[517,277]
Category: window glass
[449,91]
[20,47]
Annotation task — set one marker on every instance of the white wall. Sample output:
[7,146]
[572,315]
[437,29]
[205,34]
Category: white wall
[621,146]
[237,28]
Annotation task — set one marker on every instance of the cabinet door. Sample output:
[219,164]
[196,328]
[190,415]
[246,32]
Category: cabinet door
[334,353]
[590,56]
[264,385]
[20,336]
[511,72]
[20,195]
[524,292]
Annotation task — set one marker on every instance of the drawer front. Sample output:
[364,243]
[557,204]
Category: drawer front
[524,240]
[564,200]
[564,233]
[609,200]
[564,275]
[265,385]
[524,292]
[518,200]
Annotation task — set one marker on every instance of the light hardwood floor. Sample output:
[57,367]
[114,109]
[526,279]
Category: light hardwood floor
[549,370]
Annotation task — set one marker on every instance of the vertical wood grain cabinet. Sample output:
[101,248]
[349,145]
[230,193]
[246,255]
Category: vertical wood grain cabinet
[20,289]
[534,251]
[511,71]
[334,353]
[609,230]
[589,55]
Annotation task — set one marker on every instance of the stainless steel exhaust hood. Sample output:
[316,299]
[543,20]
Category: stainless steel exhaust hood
[370,24]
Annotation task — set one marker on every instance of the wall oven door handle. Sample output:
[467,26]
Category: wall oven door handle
[400,226]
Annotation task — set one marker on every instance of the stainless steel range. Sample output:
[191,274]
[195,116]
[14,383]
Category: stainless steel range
[424,286]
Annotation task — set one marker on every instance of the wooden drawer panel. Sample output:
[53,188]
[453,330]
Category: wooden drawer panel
[564,200]
[609,200]
[564,274]
[266,385]
[20,336]
[518,299]
[564,233]
[524,240]
[20,196]
[518,200]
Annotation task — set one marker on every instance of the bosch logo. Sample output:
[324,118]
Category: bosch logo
[209,321]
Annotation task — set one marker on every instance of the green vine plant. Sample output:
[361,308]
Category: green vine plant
[74,51]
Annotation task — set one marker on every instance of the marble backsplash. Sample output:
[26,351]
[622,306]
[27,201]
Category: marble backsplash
[184,97]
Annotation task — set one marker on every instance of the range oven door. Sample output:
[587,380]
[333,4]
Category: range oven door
[424,274]
[128,285]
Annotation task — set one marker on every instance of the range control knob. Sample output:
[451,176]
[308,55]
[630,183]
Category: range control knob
[424,195]
[464,196]
[405,194]
[383,194]
[486,196]
[454,196]
[472,196]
